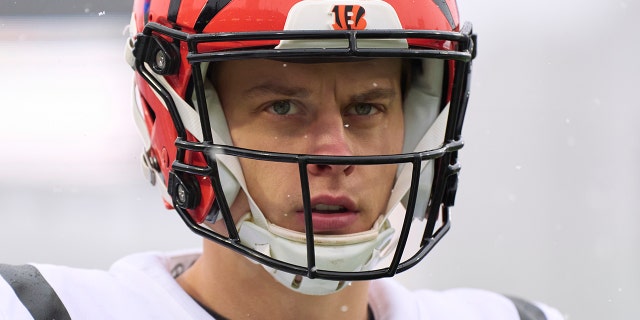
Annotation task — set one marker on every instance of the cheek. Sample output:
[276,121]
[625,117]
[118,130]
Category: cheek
[396,139]
[381,179]
[255,135]
[395,133]
[387,139]
[270,184]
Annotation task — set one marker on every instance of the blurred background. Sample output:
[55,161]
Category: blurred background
[550,190]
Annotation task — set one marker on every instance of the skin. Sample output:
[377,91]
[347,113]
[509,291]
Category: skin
[343,109]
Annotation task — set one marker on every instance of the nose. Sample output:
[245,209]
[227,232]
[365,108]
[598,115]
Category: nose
[328,136]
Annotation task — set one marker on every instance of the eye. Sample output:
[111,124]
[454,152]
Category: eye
[363,109]
[282,107]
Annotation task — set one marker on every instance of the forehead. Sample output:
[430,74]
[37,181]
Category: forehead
[295,70]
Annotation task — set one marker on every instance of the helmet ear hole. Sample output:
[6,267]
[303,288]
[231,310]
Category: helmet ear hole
[162,56]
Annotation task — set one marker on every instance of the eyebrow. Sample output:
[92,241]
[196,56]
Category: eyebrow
[374,94]
[271,88]
[301,92]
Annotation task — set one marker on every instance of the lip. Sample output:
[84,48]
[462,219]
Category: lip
[331,222]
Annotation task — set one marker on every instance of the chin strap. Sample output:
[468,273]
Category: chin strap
[347,253]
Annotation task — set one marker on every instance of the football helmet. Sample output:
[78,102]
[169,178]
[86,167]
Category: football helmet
[190,156]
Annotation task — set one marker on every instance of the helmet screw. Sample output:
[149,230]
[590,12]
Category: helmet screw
[161,60]
[182,195]
[163,56]
[153,162]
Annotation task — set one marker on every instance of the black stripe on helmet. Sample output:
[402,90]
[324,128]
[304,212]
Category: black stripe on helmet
[444,7]
[174,7]
[210,9]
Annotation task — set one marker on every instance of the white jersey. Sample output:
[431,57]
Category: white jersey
[143,286]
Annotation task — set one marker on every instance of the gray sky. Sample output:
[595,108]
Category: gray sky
[43,7]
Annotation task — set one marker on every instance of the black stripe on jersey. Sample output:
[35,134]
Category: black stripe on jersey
[211,8]
[34,292]
[527,310]
[174,7]
[444,7]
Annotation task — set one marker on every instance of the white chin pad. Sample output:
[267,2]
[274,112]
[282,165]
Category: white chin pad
[347,256]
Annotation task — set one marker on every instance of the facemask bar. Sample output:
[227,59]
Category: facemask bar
[445,181]
[233,241]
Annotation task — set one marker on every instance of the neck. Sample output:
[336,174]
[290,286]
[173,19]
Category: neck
[237,288]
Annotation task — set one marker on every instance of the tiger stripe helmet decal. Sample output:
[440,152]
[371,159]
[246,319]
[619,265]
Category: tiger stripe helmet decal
[349,17]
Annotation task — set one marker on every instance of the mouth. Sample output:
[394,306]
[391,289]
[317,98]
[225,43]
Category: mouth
[331,215]
[328,208]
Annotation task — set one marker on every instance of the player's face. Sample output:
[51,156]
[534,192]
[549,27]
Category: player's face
[344,109]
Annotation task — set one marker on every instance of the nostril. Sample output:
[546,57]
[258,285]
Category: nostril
[318,169]
[349,170]
[326,169]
